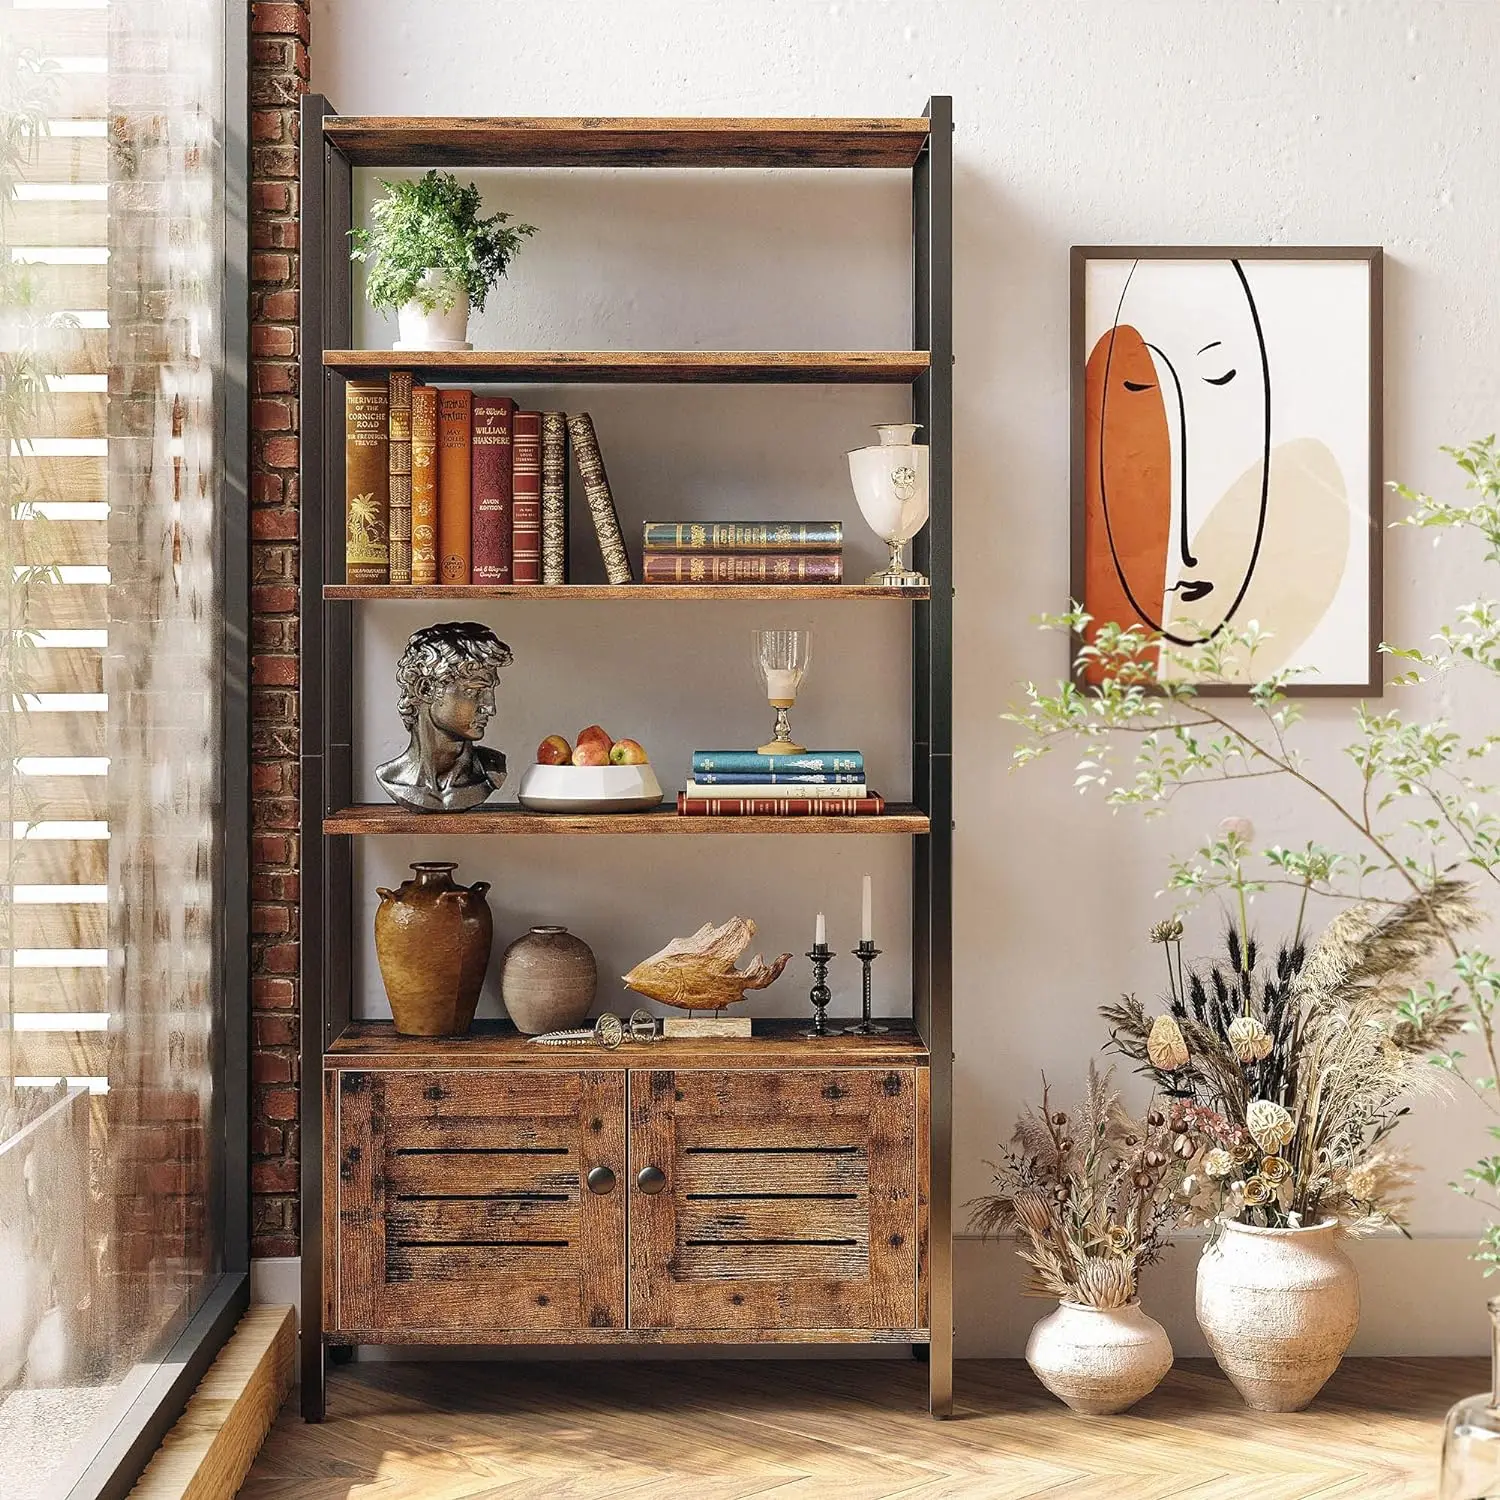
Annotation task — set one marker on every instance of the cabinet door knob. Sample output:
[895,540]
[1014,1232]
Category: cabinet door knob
[651,1180]
[601,1180]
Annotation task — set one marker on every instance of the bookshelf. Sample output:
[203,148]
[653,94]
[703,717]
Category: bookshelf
[409,1146]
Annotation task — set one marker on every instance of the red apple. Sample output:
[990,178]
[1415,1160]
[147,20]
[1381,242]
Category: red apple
[591,753]
[554,751]
[627,753]
[595,735]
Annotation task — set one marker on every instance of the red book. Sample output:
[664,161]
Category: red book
[779,807]
[492,494]
[743,567]
[527,530]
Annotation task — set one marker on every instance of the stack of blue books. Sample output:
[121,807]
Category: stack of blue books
[747,783]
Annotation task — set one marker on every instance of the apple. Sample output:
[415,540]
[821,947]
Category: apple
[591,753]
[595,735]
[554,751]
[627,753]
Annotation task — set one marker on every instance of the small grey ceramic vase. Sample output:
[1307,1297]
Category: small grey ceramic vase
[547,980]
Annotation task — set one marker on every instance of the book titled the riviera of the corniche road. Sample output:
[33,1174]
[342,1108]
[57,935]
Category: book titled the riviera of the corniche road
[752,760]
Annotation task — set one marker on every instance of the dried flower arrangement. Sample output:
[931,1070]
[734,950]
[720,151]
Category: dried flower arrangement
[1289,1078]
[1090,1195]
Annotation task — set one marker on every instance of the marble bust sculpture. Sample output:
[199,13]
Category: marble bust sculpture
[446,678]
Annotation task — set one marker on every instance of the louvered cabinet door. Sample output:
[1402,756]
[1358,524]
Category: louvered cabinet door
[786,1200]
[464,1206]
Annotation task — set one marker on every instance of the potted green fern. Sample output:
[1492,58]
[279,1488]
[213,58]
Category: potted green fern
[431,256]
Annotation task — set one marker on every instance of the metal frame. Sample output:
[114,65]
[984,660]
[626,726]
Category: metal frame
[1079,257]
[112,1472]
[327,702]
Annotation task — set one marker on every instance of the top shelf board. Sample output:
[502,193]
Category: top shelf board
[417,141]
[644,366]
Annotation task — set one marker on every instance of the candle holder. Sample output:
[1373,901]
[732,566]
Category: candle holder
[866,953]
[820,995]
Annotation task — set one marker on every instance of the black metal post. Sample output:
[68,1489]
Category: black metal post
[932,714]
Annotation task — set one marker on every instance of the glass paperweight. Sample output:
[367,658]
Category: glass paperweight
[1471,1435]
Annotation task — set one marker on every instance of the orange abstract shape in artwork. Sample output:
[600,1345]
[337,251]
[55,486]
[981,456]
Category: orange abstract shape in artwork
[1127,458]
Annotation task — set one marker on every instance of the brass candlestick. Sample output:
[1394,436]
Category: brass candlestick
[820,995]
[866,953]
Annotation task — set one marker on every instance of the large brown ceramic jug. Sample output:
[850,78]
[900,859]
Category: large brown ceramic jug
[432,938]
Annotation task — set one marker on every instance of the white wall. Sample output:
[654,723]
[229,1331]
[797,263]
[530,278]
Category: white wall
[1088,121]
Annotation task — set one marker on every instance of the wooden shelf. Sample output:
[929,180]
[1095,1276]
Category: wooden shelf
[558,591]
[366,818]
[644,366]
[776,1042]
[437,141]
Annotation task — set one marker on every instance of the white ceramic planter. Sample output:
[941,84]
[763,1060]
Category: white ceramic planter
[1099,1360]
[1278,1307]
[443,327]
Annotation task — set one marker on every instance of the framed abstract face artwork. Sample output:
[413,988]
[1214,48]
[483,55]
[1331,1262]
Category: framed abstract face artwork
[1227,460]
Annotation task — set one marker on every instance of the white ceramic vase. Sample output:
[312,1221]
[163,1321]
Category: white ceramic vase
[1278,1307]
[444,327]
[1099,1360]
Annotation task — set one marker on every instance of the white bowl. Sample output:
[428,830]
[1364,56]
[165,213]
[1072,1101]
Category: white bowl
[589,788]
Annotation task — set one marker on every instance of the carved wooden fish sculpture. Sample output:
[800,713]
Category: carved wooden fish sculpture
[698,972]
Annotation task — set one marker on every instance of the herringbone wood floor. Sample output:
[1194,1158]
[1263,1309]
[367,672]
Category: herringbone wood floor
[845,1430]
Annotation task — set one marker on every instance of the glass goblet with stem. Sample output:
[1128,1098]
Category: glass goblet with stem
[781,659]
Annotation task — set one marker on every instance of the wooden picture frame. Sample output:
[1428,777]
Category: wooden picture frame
[1284,491]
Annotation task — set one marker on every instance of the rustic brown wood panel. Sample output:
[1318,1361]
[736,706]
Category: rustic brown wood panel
[69,478]
[379,818]
[732,1245]
[358,1227]
[332,1166]
[646,366]
[778,1042]
[482,1227]
[627,591]
[924,1191]
[397,140]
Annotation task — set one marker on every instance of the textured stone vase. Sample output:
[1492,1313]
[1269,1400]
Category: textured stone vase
[433,938]
[547,980]
[1278,1307]
[1099,1360]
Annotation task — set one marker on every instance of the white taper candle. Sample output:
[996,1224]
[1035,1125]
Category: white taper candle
[866,929]
[820,932]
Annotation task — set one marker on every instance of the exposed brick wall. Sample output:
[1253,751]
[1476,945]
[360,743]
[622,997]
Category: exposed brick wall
[278,76]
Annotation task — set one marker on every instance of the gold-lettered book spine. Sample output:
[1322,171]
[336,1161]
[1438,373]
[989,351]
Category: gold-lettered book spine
[600,501]
[554,497]
[424,562]
[400,471]
[367,481]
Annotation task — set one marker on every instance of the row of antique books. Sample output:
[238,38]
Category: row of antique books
[748,784]
[445,485]
[731,552]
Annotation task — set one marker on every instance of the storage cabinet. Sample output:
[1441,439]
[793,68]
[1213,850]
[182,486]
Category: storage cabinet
[789,1200]
[481,1190]
[683,1202]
